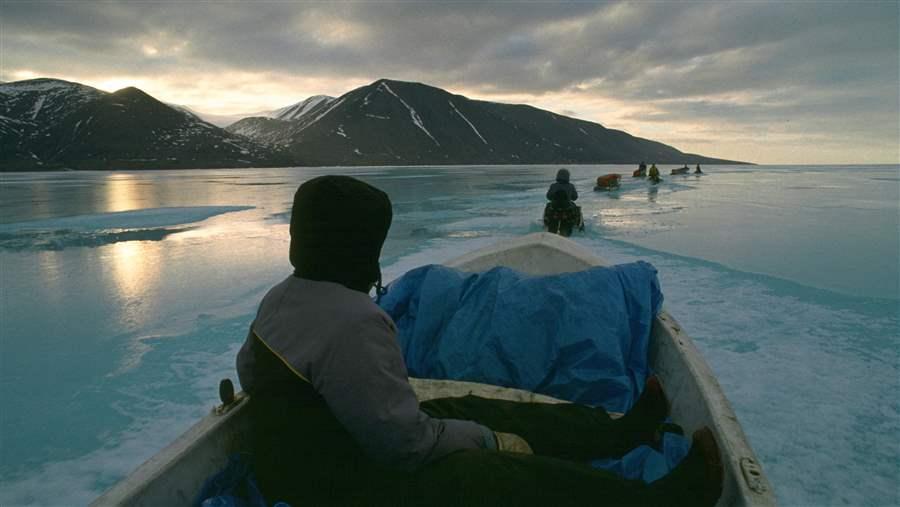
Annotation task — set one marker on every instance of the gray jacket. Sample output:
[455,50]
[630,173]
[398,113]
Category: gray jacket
[345,346]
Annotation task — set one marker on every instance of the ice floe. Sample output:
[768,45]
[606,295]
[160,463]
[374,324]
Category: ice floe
[152,224]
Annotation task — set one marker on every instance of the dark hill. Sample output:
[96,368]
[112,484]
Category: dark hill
[127,129]
[49,123]
[398,123]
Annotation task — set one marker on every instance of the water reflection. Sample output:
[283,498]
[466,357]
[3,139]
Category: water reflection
[134,265]
[135,270]
[49,264]
[122,192]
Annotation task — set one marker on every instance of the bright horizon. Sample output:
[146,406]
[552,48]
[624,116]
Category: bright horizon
[768,83]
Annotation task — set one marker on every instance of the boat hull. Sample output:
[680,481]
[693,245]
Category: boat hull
[175,474]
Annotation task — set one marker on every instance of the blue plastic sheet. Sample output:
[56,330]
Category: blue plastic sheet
[581,337]
[233,486]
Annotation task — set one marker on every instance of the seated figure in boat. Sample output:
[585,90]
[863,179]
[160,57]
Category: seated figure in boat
[562,183]
[654,174]
[561,215]
[698,171]
[641,171]
[334,420]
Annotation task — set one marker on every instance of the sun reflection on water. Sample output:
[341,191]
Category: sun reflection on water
[135,271]
[122,192]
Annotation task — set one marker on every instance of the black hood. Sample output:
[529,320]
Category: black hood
[338,226]
[562,176]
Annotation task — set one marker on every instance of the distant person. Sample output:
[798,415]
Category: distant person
[334,420]
[561,214]
[697,170]
[654,173]
[641,171]
[562,185]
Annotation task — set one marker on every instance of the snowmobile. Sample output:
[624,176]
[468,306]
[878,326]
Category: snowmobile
[562,217]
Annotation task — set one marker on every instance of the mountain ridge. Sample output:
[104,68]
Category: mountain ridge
[78,127]
[52,124]
[390,122]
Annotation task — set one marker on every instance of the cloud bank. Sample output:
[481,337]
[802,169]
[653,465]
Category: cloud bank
[786,82]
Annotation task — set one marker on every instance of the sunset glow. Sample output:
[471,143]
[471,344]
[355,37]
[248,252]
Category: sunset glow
[764,82]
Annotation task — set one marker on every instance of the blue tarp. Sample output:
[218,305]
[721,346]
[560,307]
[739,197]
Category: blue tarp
[581,337]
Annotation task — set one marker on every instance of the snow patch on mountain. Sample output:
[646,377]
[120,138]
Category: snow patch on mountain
[302,108]
[412,112]
[331,108]
[37,107]
[467,121]
[46,85]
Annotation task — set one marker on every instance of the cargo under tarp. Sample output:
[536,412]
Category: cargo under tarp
[581,337]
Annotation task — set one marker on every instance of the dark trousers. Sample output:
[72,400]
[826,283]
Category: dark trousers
[563,437]
[296,466]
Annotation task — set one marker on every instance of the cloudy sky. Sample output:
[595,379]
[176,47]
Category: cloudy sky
[768,82]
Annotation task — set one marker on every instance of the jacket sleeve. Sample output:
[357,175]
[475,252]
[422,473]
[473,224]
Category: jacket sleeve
[573,194]
[363,380]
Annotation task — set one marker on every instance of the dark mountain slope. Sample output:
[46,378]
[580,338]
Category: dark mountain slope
[47,123]
[54,124]
[397,123]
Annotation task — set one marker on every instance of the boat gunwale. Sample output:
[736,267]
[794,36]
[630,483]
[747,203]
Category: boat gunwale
[666,332]
[738,456]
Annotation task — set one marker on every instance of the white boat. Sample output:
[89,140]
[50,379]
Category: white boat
[174,475]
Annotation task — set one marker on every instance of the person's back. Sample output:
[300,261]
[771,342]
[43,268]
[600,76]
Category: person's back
[560,200]
[331,400]
[654,172]
[562,184]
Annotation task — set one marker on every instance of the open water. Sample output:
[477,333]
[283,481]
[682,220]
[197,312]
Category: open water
[125,296]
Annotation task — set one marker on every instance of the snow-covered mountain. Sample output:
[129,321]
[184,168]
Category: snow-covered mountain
[289,113]
[277,127]
[221,120]
[303,108]
[397,123]
[28,108]
[42,100]
[264,130]
[49,123]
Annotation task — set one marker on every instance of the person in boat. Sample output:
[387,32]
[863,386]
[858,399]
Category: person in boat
[334,420]
[562,184]
[654,173]
[641,171]
[697,170]
[562,196]
[561,215]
